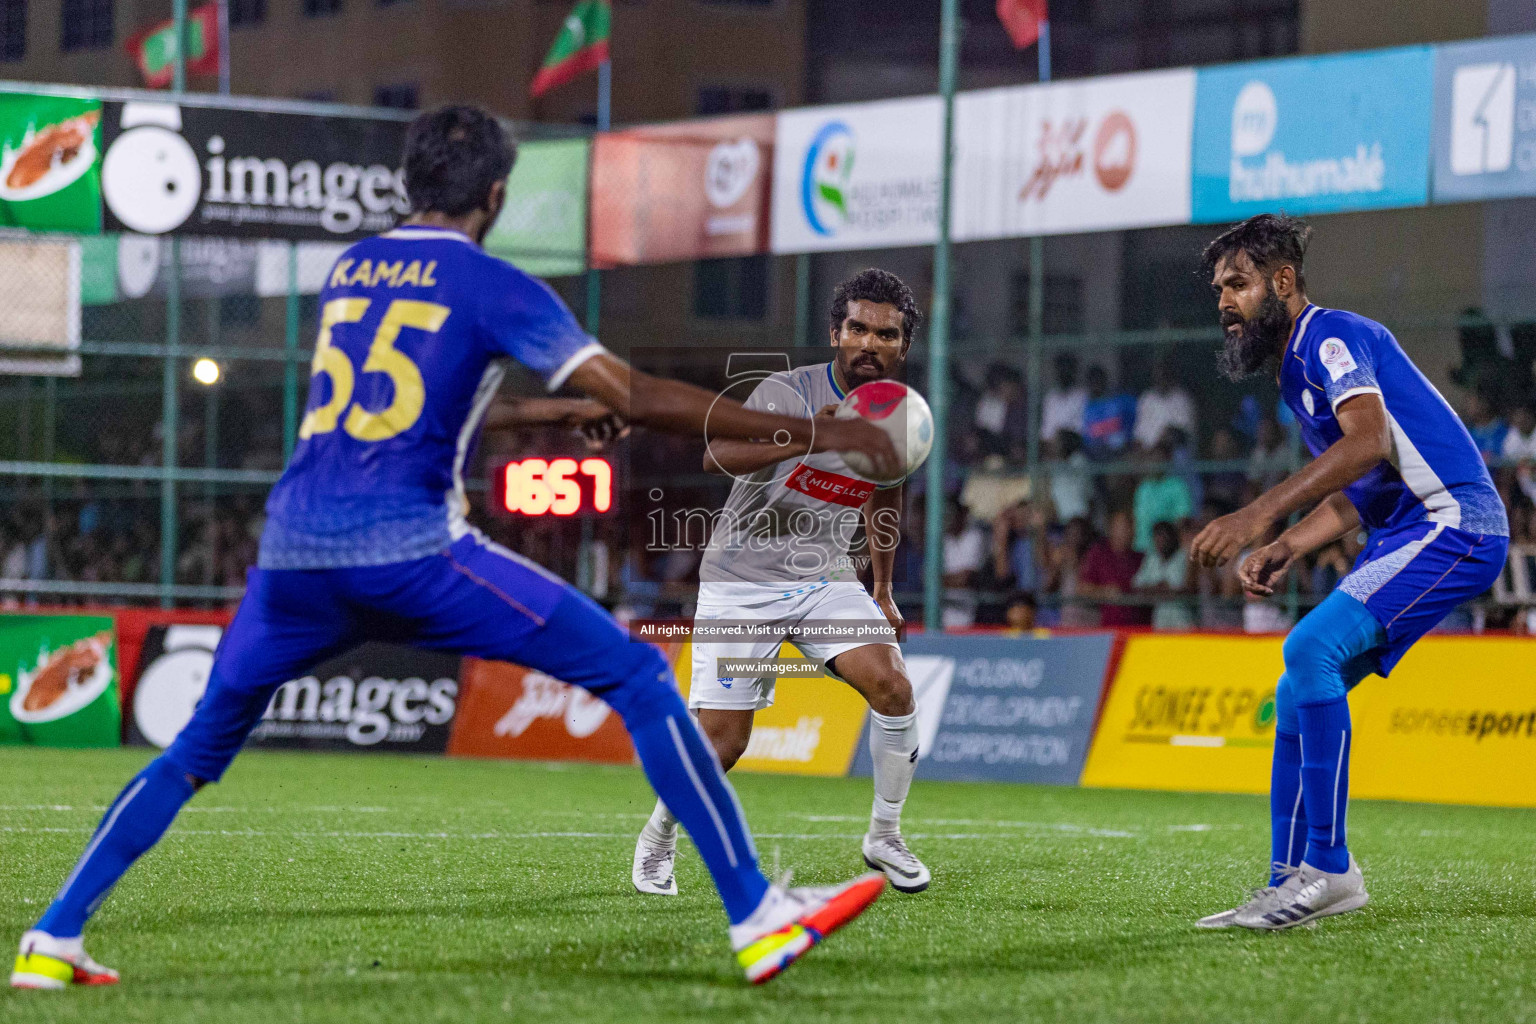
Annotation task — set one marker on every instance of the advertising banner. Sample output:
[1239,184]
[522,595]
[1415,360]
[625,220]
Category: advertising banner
[50,179]
[40,285]
[857,176]
[684,191]
[1088,155]
[1189,713]
[168,168]
[1485,119]
[811,729]
[1004,709]
[543,227]
[509,711]
[58,681]
[1313,134]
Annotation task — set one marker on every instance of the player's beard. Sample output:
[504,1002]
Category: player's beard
[1257,341]
[865,367]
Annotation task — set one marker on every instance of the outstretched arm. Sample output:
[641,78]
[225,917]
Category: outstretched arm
[1262,571]
[882,532]
[679,408]
[1367,440]
[738,458]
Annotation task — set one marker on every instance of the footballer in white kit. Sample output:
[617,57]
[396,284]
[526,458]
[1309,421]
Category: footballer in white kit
[779,557]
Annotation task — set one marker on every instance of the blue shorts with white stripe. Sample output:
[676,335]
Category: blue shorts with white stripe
[1410,577]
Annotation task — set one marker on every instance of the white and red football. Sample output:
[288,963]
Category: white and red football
[898,410]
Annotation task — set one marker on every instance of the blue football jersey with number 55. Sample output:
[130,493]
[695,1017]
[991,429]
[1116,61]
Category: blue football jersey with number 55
[413,325]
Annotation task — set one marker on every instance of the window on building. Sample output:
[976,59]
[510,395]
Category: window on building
[321,8]
[726,99]
[319,96]
[400,96]
[85,24]
[736,288]
[13,29]
[247,12]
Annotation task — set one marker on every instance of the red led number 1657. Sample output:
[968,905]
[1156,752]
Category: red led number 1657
[536,487]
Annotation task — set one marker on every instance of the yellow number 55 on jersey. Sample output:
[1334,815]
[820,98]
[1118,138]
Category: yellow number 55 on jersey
[410,394]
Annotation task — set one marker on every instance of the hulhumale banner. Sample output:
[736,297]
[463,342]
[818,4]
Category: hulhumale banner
[1003,709]
[167,168]
[1313,134]
[1485,119]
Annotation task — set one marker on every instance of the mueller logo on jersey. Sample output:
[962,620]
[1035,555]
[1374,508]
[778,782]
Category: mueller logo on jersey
[830,487]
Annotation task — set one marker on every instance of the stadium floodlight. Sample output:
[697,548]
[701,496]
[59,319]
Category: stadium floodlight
[206,372]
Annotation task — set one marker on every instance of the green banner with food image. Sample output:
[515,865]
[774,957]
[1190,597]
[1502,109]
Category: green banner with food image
[50,163]
[59,681]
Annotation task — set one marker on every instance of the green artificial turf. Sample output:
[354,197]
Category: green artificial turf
[380,889]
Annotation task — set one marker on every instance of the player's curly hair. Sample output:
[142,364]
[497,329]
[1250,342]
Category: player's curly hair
[453,155]
[1271,240]
[876,285]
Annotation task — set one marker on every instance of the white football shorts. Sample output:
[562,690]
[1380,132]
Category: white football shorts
[769,604]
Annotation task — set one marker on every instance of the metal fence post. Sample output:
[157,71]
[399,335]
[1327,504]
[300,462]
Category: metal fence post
[290,352]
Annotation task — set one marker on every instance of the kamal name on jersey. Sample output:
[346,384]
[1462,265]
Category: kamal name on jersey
[413,325]
[793,521]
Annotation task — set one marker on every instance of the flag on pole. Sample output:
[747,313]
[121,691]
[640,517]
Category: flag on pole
[1022,20]
[581,46]
[153,49]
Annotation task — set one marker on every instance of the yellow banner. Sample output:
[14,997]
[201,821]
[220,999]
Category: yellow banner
[810,730]
[1456,722]
[1189,713]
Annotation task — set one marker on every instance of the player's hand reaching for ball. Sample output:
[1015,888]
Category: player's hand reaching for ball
[835,435]
[1262,571]
[1223,538]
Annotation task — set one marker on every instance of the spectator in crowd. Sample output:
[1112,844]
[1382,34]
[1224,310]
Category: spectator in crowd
[1001,414]
[1163,407]
[1161,497]
[1520,440]
[1108,419]
[1224,489]
[1164,573]
[1071,482]
[1329,566]
[1484,424]
[1020,610]
[1018,546]
[965,549]
[1270,460]
[1064,560]
[1108,574]
[1063,406]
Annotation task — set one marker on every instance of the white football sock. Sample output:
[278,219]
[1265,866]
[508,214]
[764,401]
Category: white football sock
[661,829]
[893,749]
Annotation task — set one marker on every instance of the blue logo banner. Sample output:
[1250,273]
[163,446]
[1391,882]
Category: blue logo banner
[1001,708]
[1313,134]
[1485,119]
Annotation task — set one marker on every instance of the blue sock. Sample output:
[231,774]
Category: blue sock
[135,822]
[1287,812]
[1325,740]
[685,773]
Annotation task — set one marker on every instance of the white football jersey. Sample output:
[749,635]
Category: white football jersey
[791,522]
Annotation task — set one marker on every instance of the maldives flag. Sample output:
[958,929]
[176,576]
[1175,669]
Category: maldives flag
[1022,20]
[154,49]
[580,47]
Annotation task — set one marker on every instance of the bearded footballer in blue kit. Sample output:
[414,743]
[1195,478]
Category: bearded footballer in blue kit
[366,538]
[1390,457]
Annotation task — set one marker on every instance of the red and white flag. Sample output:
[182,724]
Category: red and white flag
[1022,20]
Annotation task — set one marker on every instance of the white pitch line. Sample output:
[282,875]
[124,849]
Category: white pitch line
[258,833]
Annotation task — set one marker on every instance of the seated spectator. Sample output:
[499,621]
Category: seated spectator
[1000,415]
[1224,489]
[1108,574]
[1166,406]
[1108,419]
[1021,609]
[1065,553]
[1018,547]
[1485,426]
[1270,460]
[965,549]
[1165,573]
[1063,406]
[1071,483]
[1161,497]
[1520,441]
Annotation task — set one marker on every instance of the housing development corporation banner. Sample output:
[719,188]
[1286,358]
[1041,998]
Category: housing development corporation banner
[857,176]
[1088,155]
[1313,134]
[1455,723]
[1003,708]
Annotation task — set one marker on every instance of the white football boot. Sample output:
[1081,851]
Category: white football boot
[1320,894]
[1261,900]
[50,963]
[652,871]
[889,854]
